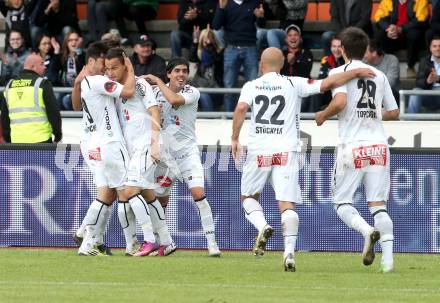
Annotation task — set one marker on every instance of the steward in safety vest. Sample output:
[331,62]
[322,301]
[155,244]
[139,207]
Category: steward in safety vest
[29,109]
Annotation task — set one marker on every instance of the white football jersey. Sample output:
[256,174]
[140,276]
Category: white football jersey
[136,122]
[100,120]
[361,119]
[178,122]
[275,101]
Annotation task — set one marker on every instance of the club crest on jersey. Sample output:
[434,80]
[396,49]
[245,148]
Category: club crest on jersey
[370,155]
[174,120]
[110,86]
[140,88]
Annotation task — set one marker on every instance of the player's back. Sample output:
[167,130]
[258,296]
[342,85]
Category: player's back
[275,101]
[100,120]
[361,119]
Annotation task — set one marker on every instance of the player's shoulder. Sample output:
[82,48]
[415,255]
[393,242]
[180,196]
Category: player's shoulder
[189,89]
[142,86]
[339,69]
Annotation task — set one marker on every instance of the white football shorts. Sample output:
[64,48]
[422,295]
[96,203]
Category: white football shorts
[361,162]
[280,169]
[141,170]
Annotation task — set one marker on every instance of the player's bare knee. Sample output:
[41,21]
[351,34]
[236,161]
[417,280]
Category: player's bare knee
[198,193]
[106,195]
[376,203]
[163,200]
[128,192]
[285,205]
[148,194]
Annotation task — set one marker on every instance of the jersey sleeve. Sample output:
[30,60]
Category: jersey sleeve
[144,89]
[190,94]
[307,87]
[389,102]
[340,89]
[105,86]
[245,94]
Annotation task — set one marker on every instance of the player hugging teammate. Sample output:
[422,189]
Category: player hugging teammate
[121,145]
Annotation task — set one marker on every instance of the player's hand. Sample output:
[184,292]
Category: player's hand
[152,79]
[365,73]
[190,14]
[222,3]
[432,77]
[236,149]
[320,118]
[155,153]
[127,62]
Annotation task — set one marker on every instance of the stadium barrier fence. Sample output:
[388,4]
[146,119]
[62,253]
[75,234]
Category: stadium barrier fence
[46,190]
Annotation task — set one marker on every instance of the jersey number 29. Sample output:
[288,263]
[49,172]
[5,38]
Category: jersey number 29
[368,94]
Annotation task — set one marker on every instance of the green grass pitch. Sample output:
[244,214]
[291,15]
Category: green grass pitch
[58,275]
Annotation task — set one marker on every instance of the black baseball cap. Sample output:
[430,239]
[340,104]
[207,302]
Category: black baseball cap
[143,39]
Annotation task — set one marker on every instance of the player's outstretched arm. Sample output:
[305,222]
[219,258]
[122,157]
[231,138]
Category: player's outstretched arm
[155,130]
[388,115]
[339,79]
[130,83]
[172,97]
[337,104]
[237,123]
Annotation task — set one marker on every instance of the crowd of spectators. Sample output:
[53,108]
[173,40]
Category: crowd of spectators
[224,39]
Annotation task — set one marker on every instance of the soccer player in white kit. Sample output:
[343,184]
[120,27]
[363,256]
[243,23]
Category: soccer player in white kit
[140,122]
[102,143]
[178,103]
[274,143]
[362,154]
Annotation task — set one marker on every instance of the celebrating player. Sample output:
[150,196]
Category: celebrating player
[363,154]
[274,144]
[178,105]
[140,123]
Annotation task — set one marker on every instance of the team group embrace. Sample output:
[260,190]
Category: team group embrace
[139,138]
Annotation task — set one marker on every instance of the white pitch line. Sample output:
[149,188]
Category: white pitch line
[236,286]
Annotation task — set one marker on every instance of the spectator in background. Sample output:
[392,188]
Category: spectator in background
[17,17]
[238,19]
[72,62]
[49,50]
[294,12]
[14,57]
[209,56]
[191,13]
[335,59]
[428,78]
[18,102]
[57,17]
[140,11]
[402,25]
[145,60]
[346,13]
[386,63]
[434,28]
[298,60]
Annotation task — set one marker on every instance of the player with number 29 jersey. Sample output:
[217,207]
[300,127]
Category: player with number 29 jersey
[276,104]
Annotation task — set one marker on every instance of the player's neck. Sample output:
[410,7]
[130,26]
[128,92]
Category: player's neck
[174,88]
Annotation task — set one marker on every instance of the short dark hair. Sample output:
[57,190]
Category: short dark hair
[355,42]
[115,52]
[435,37]
[96,50]
[375,46]
[176,61]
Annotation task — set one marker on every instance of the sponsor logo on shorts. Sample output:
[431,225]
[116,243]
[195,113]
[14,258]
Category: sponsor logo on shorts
[164,181]
[95,154]
[279,159]
[370,155]
[110,86]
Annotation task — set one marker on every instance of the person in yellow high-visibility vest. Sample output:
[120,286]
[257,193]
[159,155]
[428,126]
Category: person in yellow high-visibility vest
[29,109]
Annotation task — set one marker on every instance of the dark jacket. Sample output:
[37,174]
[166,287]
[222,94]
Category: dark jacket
[425,67]
[238,22]
[53,68]
[154,65]
[302,65]
[80,61]
[359,15]
[55,22]
[435,21]
[18,19]
[205,14]
[387,14]
[328,63]
[50,102]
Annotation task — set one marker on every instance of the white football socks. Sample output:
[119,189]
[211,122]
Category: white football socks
[384,225]
[140,209]
[206,219]
[254,213]
[157,215]
[81,230]
[94,220]
[128,223]
[351,217]
[290,224]
[107,211]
